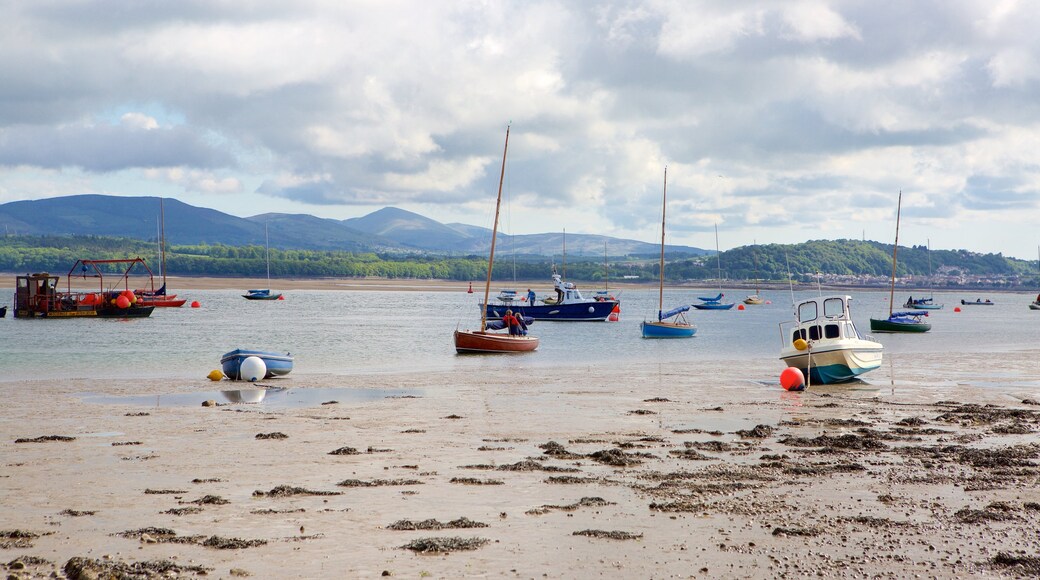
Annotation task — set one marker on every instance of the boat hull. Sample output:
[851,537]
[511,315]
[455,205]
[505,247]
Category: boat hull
[591,311]
[262,296]
[969,303]
[476,342]
[278,364]
[836,364]
[710,306]
[885,325]
[162,302]
[667,330]
[1034,305]
[923,306]
[753,300]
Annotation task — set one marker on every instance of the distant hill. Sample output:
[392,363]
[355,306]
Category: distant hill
[386,230]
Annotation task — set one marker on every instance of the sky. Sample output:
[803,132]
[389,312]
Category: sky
[780,122]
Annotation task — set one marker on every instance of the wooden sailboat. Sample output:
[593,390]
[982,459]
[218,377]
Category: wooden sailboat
[671,324]
[755,298]
[715,302]
[483,340]
[264,294]
[907,320]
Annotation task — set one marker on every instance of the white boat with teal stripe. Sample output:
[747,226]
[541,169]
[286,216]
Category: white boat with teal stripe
[824,343]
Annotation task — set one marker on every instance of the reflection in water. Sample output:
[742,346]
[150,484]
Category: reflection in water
[249,396]
[272,397]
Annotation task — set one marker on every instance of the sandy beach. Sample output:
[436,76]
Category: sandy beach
[631,472]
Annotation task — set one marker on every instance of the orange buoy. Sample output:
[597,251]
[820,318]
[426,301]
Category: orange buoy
[740,306]
[195,304]
[281,297]
[792,379]
[615,314]
[957,309]
[122,302]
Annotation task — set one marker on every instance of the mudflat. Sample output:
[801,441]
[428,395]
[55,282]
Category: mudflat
[630,472]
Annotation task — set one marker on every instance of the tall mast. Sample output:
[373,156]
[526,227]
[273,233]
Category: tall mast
[494,235]
[718,258]
[565,254]
[267,244]
[162,243]
[606,272]
[664,206]
[895,249]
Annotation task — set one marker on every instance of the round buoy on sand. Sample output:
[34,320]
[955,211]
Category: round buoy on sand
[252,369]
[791,379]
[216,374]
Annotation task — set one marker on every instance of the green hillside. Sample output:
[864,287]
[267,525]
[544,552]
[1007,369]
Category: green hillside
[849,262]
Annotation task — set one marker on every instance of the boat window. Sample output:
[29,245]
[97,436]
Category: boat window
[800,333]
[807,311]
[831,331]
[850,330]
[833,308]
[814,332]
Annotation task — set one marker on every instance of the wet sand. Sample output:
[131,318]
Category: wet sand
[632,472]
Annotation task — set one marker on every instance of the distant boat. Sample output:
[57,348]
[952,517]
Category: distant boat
[484,341]
[977,302]
[278,365]
[924,303]
[825,345]
[715,303]
[905,321]
[671,324]
[3,311]
[160,298]
[756,298]
[1035,305]
[264,294]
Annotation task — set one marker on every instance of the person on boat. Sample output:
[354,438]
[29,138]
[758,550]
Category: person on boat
[558,286]
[512,323]
[531,296]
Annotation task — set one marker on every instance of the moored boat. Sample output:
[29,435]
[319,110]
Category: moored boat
[568,305]
[37,295]
[906,321]
[977,302]
[483,341]
[671,324]
[921,304]
[713,303]
[278,364]
[902,321]
[825,345]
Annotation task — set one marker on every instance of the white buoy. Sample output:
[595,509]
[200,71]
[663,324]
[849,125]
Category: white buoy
[252,369]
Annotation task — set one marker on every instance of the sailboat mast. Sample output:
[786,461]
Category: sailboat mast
[664,207]
[895,249]
[267,245]
[565,254]
[606,271]
[718,257]
[162,242]
[494,235]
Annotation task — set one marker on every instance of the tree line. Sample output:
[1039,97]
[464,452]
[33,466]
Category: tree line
[768,262]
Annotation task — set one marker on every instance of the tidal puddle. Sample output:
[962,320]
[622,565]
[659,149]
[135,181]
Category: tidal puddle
[273,397]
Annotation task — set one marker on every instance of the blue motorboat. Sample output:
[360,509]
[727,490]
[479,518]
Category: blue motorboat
[278,364]
[567,305]
[713,303]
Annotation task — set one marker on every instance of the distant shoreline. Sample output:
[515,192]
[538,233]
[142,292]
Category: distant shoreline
[177,283]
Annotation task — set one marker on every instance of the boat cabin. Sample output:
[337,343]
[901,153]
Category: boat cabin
[36,295]
[824,318]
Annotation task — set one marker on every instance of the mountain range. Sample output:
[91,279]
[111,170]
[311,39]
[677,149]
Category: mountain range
[386,230]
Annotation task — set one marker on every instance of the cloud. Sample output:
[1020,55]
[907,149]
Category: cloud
[812,110]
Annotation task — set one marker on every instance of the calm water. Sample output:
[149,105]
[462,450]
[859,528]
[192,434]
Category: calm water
[363,332]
